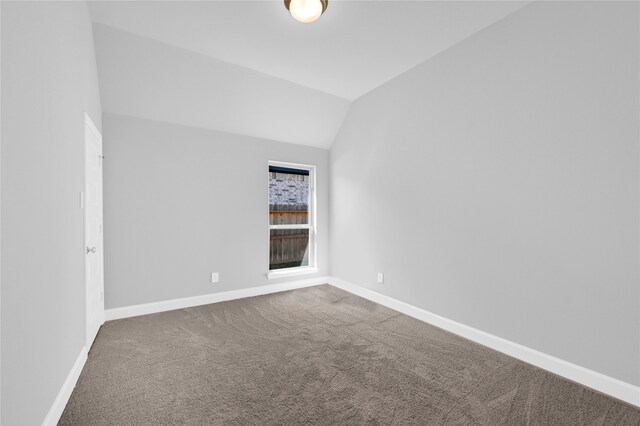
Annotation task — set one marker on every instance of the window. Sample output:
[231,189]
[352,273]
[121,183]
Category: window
[291,218]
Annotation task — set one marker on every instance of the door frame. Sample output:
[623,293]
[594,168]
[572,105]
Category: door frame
[90,126]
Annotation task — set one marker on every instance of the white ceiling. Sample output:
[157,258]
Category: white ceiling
[353,48]
[247,67]
[144,78]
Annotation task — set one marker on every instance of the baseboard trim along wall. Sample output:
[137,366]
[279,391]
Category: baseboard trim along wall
[598,381]
[55,412]
[205,299]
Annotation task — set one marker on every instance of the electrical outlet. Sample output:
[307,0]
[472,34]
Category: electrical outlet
[380,278]
[215,277]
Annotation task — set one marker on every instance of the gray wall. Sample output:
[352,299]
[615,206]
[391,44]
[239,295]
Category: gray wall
[48,79]
[182,202]
[497,184]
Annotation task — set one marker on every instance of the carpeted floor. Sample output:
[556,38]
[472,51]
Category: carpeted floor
[315,356]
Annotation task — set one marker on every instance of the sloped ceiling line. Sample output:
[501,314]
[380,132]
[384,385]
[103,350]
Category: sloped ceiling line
[246,67]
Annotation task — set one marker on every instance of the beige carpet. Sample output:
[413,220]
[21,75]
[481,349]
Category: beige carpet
[315,356]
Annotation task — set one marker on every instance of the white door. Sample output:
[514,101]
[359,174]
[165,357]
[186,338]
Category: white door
[93,253]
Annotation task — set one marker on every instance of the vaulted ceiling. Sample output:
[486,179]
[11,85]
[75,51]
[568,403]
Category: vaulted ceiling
[247,67]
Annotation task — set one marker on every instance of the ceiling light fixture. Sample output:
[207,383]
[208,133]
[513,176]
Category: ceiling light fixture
[306,11]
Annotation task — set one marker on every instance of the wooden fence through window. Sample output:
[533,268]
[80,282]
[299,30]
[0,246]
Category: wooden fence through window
[287,247]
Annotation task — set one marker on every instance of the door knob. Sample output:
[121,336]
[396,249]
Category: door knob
[91,250]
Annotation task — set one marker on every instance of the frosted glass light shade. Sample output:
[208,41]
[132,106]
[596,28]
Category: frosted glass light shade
[306,11]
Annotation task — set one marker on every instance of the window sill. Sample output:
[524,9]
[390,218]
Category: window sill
[290,272]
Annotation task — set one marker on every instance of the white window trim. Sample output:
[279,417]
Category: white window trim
[311,226]
[291,272]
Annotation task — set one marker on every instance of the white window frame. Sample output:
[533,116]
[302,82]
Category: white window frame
[311,226]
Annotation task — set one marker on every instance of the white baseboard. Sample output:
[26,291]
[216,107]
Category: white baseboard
[205,299]
[598,381]
[55,412]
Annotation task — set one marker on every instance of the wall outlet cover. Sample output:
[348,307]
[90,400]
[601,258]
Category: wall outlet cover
[380,277]
[215,277]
